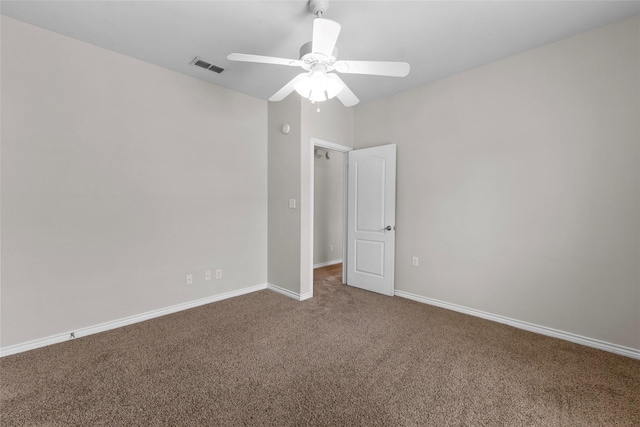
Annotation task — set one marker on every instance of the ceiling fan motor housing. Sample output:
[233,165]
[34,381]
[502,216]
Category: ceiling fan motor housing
[309,57]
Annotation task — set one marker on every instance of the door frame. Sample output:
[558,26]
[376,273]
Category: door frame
[315,142]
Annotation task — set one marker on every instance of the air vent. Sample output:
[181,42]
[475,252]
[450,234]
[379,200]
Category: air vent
[199,62]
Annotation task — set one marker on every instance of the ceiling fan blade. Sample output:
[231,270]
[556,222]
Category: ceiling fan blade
[348,98]
[375,68]
[325,35]
[287,89]
[243,57]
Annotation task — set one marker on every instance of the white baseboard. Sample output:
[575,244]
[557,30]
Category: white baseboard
[567,336]
[82,332]
[543,330]
[306,296]
[328,263]
[288,293]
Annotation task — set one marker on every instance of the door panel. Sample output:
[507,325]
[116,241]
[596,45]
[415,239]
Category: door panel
[371,218]
[370,194]
[369,257]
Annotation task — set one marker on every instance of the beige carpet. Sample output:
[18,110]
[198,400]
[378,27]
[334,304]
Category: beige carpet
[347,357]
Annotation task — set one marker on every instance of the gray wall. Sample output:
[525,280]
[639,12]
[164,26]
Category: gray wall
[328,204]
[284,184]
[290,176]
[118,179]
[518,185]
[334,122]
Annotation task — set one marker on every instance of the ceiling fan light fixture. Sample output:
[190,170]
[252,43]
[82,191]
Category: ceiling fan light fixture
[317,86]
[334,86]
[318,96]
[303,87]
[318,80]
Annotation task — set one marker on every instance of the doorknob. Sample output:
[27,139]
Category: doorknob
[388,228]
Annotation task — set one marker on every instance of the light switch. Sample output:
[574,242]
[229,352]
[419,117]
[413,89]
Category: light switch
[292,203]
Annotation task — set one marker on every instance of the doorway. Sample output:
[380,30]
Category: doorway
[328,212]
[334,165]
[372,255]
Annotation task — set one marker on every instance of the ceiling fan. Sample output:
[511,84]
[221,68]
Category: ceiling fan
[319,58]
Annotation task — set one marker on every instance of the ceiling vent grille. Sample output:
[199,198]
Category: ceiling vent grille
[199,62]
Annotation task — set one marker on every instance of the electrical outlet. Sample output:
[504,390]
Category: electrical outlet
[415,261]
[292,203]
[207,275]
[219,273]
[189,279]
[330,248]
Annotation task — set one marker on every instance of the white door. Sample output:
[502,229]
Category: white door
[371,218]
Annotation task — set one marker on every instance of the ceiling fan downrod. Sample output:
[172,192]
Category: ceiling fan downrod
[318,7]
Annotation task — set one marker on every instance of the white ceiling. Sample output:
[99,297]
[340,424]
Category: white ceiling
[437,38]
